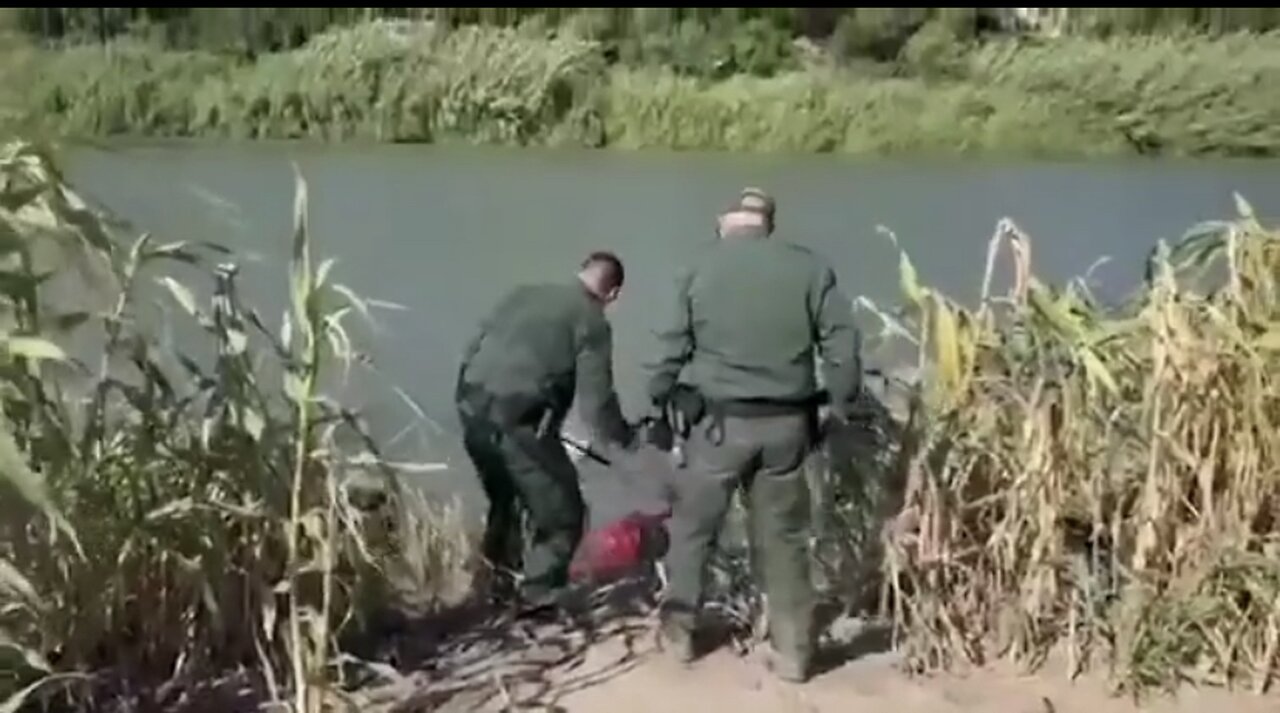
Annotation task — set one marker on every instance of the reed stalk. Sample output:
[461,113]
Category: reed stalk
[177,514]
[1099,482]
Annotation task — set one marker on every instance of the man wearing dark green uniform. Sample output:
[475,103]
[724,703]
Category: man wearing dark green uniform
[542,347]
[751,313]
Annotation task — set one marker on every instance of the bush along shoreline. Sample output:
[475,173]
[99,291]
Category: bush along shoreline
[188,523]
[1098,483]
[1175,95]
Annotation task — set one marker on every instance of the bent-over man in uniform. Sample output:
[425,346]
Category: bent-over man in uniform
[751,313]
[542,346]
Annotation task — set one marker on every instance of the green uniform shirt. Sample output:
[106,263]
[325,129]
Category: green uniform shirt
[751,312]
[544,345]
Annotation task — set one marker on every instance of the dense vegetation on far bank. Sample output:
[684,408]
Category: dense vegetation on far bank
[535,85]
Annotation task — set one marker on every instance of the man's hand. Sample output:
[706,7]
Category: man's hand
[630,440]
[658,433]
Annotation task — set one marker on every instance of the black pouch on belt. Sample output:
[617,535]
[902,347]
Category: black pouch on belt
[676,416]
[688,407]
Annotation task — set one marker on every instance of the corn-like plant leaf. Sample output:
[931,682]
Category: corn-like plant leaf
[401,466]
[181,294]
[237,341]
[11,240]
[286,331]
[1053,311]
[300,263]
[1098,371]
[179,251]
[34,348]
[384,304]
[1270,340]
[34,659]
[15,199]
[1243,209]
[254,423]
[361,305]
[909,281]
[946,348]
[322,274]
[15,702]
[182,506]
[16,585]
[293,387]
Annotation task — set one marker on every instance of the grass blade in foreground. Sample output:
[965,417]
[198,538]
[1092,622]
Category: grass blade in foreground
[180,471]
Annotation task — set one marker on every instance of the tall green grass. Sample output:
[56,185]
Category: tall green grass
[1100,483]
[530,85]
[182,514]
[1180,96]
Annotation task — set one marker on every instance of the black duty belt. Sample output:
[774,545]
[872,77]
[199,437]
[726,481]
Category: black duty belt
[686,408]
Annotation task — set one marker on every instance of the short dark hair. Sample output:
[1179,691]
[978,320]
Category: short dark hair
[614,273]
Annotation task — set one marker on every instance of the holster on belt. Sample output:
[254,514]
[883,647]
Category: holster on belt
[676,415]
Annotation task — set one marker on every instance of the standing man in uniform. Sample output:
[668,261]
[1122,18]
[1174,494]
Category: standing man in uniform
[540,348]
[751,313]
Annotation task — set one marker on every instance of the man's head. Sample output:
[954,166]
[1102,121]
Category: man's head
[754,209]
[602,274]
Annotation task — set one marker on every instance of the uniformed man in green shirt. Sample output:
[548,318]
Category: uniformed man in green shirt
[752,312]
[543,346]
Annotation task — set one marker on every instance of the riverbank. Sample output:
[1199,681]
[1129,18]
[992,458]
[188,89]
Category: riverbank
[1091,481]
[1178,96]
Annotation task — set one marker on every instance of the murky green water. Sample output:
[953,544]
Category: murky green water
[444,231]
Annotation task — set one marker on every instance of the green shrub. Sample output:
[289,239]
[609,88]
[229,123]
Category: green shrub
[121,88]
[1179,94]
[691,85]
[716,50]
[173,516]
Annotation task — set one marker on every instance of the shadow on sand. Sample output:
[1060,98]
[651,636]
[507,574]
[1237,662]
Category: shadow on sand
[473,658]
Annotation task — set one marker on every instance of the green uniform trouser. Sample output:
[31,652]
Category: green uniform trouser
[765,456]
[524,474]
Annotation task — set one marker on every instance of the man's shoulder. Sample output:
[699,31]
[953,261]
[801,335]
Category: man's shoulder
[803,259]
[801,253]
[561,292]
[700,255]
[536,301]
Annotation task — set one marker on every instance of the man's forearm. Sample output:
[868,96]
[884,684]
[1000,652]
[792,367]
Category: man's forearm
[677,346]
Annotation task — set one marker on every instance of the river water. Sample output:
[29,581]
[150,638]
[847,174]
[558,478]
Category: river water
[443,231]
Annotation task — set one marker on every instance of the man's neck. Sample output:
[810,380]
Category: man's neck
[746,232]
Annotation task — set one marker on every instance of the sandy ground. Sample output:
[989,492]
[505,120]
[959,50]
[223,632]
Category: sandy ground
[609,662]
[613,665]
[726,682]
